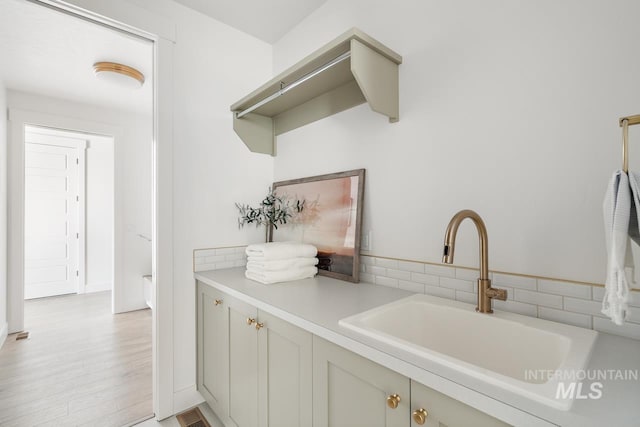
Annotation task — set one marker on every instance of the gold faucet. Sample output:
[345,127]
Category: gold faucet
[485,291]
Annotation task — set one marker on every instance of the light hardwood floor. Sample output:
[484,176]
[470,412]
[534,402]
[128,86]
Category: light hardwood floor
[80,366]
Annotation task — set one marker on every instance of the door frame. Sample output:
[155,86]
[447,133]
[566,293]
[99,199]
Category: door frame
[136,21]
[81,151]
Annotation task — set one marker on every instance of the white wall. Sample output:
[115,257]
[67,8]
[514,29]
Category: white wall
[508,108]
[100,212]
[3,213]
[214,66]
[132,156]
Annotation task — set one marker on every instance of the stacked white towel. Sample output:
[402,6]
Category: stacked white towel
[281,262]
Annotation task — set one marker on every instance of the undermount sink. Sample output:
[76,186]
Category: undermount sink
[504,349]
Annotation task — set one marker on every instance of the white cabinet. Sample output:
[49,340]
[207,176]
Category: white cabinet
[351,391]
[432,409]
[254,369]
[284,374]
[243,364]
[212,360]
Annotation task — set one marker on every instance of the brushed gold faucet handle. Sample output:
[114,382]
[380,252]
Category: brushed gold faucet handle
[250,321]
[420,416]
[259,326]
[393,401]
[495,293]
[217,302]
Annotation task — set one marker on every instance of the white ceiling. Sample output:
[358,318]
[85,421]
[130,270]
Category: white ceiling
[50,53]
[267,20]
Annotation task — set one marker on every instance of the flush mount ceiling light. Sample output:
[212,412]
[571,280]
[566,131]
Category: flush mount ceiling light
[119,74]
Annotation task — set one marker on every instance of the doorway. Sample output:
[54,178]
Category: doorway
[54,264]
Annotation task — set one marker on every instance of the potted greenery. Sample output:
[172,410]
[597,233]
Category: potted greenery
[273,210]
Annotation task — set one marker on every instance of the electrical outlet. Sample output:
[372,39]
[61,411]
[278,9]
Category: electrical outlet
[365,242]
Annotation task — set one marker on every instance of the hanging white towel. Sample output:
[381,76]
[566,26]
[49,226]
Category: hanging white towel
[259,265]
[270,277]
[616,209]
[634,219]
[281,250]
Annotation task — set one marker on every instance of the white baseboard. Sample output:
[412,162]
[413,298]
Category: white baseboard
[186,398]
[3,333]
[97,287]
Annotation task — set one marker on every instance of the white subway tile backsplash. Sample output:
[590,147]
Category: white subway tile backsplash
[547,300]
[225,251]
[564,288]
[367,260]
[205,267]
[516,307]
[597,292]
[214,258]
[398,274]
[467,297]
[565,302]
[218,258]
[467,274]
[416,267]
[386,281]
[521,282]
[575,319]
[205,252]
[411,286]
[634,299]
[629,330]
[368,278]
[577,305]
[375,270]
[633,315]
[224,264]
[387,263]
[457,284]
[437,291]
[427,279]
[598,295]
[440,270]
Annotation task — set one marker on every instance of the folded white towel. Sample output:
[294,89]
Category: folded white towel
[616,209]
[269,277]
[281,250]
[259,264]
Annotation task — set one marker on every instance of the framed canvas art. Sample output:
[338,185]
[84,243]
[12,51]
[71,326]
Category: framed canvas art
[331,220]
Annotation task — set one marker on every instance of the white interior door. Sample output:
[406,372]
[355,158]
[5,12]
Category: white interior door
[51,220]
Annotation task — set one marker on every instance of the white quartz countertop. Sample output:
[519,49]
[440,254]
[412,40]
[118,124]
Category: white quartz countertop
[317,305]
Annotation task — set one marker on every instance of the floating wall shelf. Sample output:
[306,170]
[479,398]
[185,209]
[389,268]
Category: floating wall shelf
[350,70]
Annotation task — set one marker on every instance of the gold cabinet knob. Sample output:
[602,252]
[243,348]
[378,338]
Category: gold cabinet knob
[250,321]
[217,302]
[259,326]
[393,401]
[420,416]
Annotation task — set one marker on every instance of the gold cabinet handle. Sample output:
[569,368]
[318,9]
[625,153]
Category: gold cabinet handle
[217,302]
[259,326]
[420,416]
[250,321]
[393,401]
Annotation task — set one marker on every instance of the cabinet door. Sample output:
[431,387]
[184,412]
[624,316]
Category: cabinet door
[285,373]
[213,378]
[243,364]
[443,411]
[351,391]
